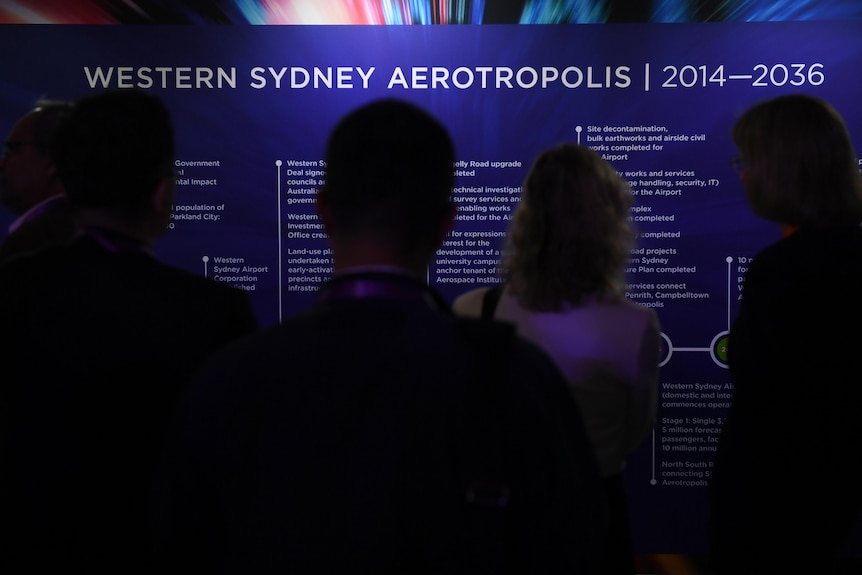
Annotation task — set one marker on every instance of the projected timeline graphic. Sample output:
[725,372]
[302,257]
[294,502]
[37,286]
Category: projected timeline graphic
[658,102]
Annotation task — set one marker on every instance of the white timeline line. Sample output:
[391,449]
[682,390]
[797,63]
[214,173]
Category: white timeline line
[278,219]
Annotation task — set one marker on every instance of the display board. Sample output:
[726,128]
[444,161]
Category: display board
[253,107]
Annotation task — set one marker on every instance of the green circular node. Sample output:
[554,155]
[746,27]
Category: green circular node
[721,349]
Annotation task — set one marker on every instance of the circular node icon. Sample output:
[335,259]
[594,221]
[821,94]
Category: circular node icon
[665,350]
[205,259]
[718,349]
[278,162]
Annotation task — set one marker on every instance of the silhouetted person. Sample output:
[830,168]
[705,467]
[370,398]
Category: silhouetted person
[377,433]
[96,340]
[29,185]
[786,487]
[564,270]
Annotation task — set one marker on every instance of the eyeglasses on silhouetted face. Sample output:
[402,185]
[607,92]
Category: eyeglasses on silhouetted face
[11,147]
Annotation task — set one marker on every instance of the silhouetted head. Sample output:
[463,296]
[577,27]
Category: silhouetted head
[570,235]
[115,156]
[115,149]
[389,178]
[28,173]
[797,162]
